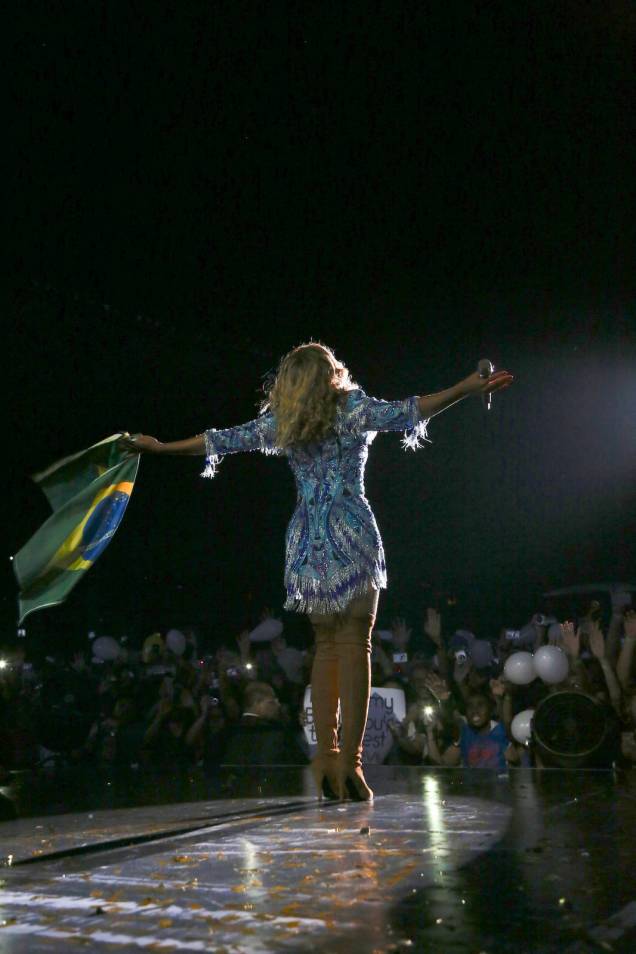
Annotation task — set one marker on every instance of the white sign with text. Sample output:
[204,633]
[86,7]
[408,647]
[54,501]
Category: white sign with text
[385,705]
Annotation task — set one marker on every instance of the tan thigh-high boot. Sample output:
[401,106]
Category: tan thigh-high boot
[353,647]
[324,704]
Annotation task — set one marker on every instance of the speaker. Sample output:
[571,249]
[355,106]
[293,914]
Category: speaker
[573,730]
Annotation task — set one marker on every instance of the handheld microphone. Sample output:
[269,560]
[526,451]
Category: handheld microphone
[485,368]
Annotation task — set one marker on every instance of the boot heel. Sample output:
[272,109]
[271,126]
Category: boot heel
[353,784]
[324,772]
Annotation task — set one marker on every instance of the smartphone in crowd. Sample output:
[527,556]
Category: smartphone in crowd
[400,657]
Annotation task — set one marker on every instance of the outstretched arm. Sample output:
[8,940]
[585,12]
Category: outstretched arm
[626,657]
[142,444]
[411,415]
[431,404]
[256,435]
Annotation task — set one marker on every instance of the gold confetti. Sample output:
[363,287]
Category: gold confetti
[290,909]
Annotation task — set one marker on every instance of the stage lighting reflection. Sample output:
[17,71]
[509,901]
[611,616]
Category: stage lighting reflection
[435,812]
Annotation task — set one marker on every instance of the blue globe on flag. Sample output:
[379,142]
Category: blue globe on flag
[102,523]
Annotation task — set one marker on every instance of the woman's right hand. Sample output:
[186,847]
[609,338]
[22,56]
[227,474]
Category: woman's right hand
[140,444]
[475,384]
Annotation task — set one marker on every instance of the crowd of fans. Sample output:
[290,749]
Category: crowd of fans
[243,704]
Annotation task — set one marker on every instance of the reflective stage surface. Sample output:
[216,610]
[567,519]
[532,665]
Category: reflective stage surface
[443,860]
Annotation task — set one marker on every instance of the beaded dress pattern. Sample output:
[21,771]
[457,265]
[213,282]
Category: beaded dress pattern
[333,548]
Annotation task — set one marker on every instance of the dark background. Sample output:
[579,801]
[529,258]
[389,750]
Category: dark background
[198,187]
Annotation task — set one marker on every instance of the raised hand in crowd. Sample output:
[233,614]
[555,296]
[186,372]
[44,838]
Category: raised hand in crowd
[437,685]
[401,634]
[621,599]
[571,640]
[626,657]
[621,602]
[244,644]
[408,734]
[598,649]
[596,639]
[449,755]
[380,656]
[630,624]
[433,625]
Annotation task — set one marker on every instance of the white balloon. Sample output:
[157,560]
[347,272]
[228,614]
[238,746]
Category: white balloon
[106,648]
[521,726]
[175,641]
[266,631]
[520,669]
[551,664]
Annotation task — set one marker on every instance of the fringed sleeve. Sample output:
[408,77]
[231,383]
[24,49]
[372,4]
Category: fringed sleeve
[415,434]
[256,435]
[370,415]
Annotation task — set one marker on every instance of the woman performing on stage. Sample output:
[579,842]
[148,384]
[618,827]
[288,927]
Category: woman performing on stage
[323,423]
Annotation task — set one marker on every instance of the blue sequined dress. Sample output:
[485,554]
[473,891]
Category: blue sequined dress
[333,548]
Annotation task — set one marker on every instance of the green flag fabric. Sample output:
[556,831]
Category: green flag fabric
[88,493]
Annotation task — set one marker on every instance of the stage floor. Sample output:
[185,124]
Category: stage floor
[444,860]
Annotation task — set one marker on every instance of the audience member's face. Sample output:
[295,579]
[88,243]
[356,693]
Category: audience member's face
[278,644]
[477,712]
[419,679]
[268,706]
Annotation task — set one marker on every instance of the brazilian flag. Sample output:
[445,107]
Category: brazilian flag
[88,493]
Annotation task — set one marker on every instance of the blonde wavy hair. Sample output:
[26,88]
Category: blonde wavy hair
[304,393]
